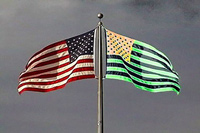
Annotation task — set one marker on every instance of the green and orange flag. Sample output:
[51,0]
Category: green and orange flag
[139,63]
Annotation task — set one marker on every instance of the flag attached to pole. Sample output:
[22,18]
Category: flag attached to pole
[139,63]
[58,64]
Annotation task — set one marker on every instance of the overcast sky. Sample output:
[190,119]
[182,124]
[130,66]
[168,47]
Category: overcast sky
[172,26]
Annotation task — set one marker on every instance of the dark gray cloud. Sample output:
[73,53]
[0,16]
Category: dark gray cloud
[171,26]
[188,8]
[150,4]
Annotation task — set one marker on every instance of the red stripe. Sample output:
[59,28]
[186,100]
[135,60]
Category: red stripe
[43,71]
[53,68]
[47,55]
[58,87]
[48,62]
[42,90]
[57,74]
[80,77]
[59,80]
[48,47]
[52,61]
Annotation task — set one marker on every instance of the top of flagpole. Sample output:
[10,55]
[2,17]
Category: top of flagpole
[100,16]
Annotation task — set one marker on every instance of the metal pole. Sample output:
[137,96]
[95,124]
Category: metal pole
[100,78]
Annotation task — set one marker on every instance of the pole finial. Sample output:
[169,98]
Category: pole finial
[100,15]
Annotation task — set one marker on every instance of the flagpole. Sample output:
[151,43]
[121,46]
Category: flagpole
[100,78]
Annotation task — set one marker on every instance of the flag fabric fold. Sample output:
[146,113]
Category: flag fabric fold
[72,59]
[139,63]
[58,64]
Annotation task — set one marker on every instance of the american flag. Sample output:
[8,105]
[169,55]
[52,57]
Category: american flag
[58,64]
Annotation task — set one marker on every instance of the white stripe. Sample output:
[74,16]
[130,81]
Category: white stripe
[58,63]
[76,74]
[56,71]
[49,65]
[61,62]
[64,53]
[48,51]
[56,56]
[57,84]
[72,64]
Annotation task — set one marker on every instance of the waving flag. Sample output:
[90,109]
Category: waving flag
[139,63]
[58,64]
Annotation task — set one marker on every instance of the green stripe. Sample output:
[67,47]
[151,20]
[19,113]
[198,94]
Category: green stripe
[109,76]
[119,77]
[150,62]
[151,56]
[151,69]
[145,75]
[140,80]
[152,48]
[109,60]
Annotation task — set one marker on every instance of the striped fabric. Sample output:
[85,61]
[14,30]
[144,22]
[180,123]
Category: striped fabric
[139,63]
[58,64]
